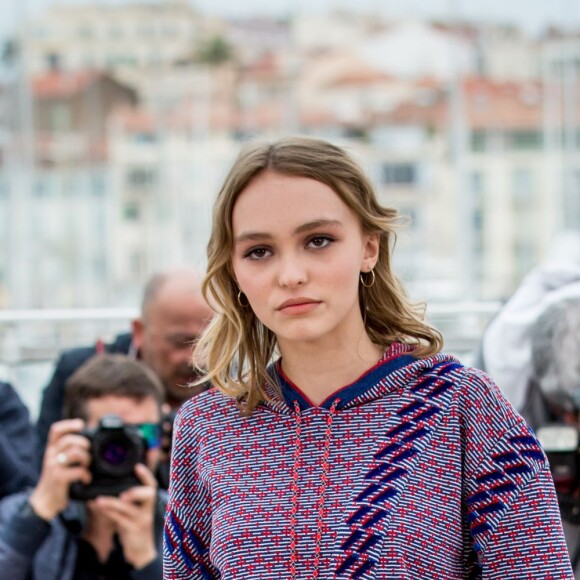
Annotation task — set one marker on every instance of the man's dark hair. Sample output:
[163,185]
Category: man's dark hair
[109,374]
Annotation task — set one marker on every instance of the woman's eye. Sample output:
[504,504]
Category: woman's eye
[257,253]
[320,241]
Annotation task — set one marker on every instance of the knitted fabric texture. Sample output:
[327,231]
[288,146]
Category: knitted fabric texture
[428,472]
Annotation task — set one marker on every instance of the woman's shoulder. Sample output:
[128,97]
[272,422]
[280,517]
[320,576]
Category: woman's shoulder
[484,413]
[494,432]
[210,401]
[208,407]
[481,397]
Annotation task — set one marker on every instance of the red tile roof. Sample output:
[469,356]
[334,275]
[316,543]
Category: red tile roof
[487,104]
[53,85]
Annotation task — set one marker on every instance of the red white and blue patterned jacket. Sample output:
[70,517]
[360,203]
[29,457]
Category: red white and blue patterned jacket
[419,469]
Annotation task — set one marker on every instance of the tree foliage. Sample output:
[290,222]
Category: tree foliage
[215,50]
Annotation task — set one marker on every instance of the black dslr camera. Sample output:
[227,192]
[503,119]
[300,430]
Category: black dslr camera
[561,444]
[116,449]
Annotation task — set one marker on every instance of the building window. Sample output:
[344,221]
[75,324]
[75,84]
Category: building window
[54,61]
[572,200]
[477,192]
[136,263]
[145,137]
[40,188]
[523,189]
[525,140]
[141,177]
[398,174]
[478,140]
[476,189]
[98,184]
[131,212]
[60,119]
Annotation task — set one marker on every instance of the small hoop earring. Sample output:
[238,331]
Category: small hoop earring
[240,302]
[372,282]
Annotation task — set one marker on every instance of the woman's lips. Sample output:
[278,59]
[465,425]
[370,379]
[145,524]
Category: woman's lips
[298,306]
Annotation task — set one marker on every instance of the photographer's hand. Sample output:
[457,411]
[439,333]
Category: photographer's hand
[66,460]
[134,515]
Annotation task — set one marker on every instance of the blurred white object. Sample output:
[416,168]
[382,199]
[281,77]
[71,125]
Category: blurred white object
[506,343]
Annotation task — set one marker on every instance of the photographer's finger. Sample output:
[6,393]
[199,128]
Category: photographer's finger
[78,473]
[145,476]
[61,428]
[72,440]
[115,508]
[72,456]
[139,495]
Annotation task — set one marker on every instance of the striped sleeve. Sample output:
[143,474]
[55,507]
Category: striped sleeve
[187,533]
[528,542]
[511,507]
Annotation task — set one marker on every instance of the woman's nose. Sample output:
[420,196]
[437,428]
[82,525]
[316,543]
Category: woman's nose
[292,272]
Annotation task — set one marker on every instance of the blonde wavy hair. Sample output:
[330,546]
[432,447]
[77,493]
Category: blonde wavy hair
[236,348]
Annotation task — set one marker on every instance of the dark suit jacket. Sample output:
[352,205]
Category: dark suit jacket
[17,443]
[53,394]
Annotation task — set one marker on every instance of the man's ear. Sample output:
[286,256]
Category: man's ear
[138,332]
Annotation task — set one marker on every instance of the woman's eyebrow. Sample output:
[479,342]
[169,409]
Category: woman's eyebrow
[253,236]
[261,236]
[316,224]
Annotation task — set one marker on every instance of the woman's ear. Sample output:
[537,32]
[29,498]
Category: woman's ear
[371,252]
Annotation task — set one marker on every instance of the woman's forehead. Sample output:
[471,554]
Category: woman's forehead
[273,199]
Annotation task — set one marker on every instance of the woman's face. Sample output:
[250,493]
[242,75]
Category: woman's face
[297,256]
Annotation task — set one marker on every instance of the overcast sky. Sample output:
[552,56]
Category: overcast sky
[532,14]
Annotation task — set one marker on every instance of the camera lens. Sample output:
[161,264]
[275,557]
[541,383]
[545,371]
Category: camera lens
[115,452]
[116,448]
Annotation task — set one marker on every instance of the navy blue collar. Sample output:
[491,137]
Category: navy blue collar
[345,395]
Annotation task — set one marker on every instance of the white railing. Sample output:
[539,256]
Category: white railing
[30,340]
[27,335]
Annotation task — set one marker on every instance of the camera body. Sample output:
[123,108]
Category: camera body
[561,443]
[116,448]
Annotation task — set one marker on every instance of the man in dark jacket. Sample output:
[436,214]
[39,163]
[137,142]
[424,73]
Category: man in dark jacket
[17,443]
[45,534]
[173,314]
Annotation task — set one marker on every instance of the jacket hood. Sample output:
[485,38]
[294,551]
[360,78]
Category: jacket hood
[396,368]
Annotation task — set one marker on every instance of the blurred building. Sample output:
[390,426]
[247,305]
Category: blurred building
[121,121]
[488,183]
[57,201]
[132,41]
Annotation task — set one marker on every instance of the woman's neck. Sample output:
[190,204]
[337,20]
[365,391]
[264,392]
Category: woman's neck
[320,371]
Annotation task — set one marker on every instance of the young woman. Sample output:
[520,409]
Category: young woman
[337,442]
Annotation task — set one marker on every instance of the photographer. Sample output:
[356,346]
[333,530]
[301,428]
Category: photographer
[555,388]
[113,409]
[173,314]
